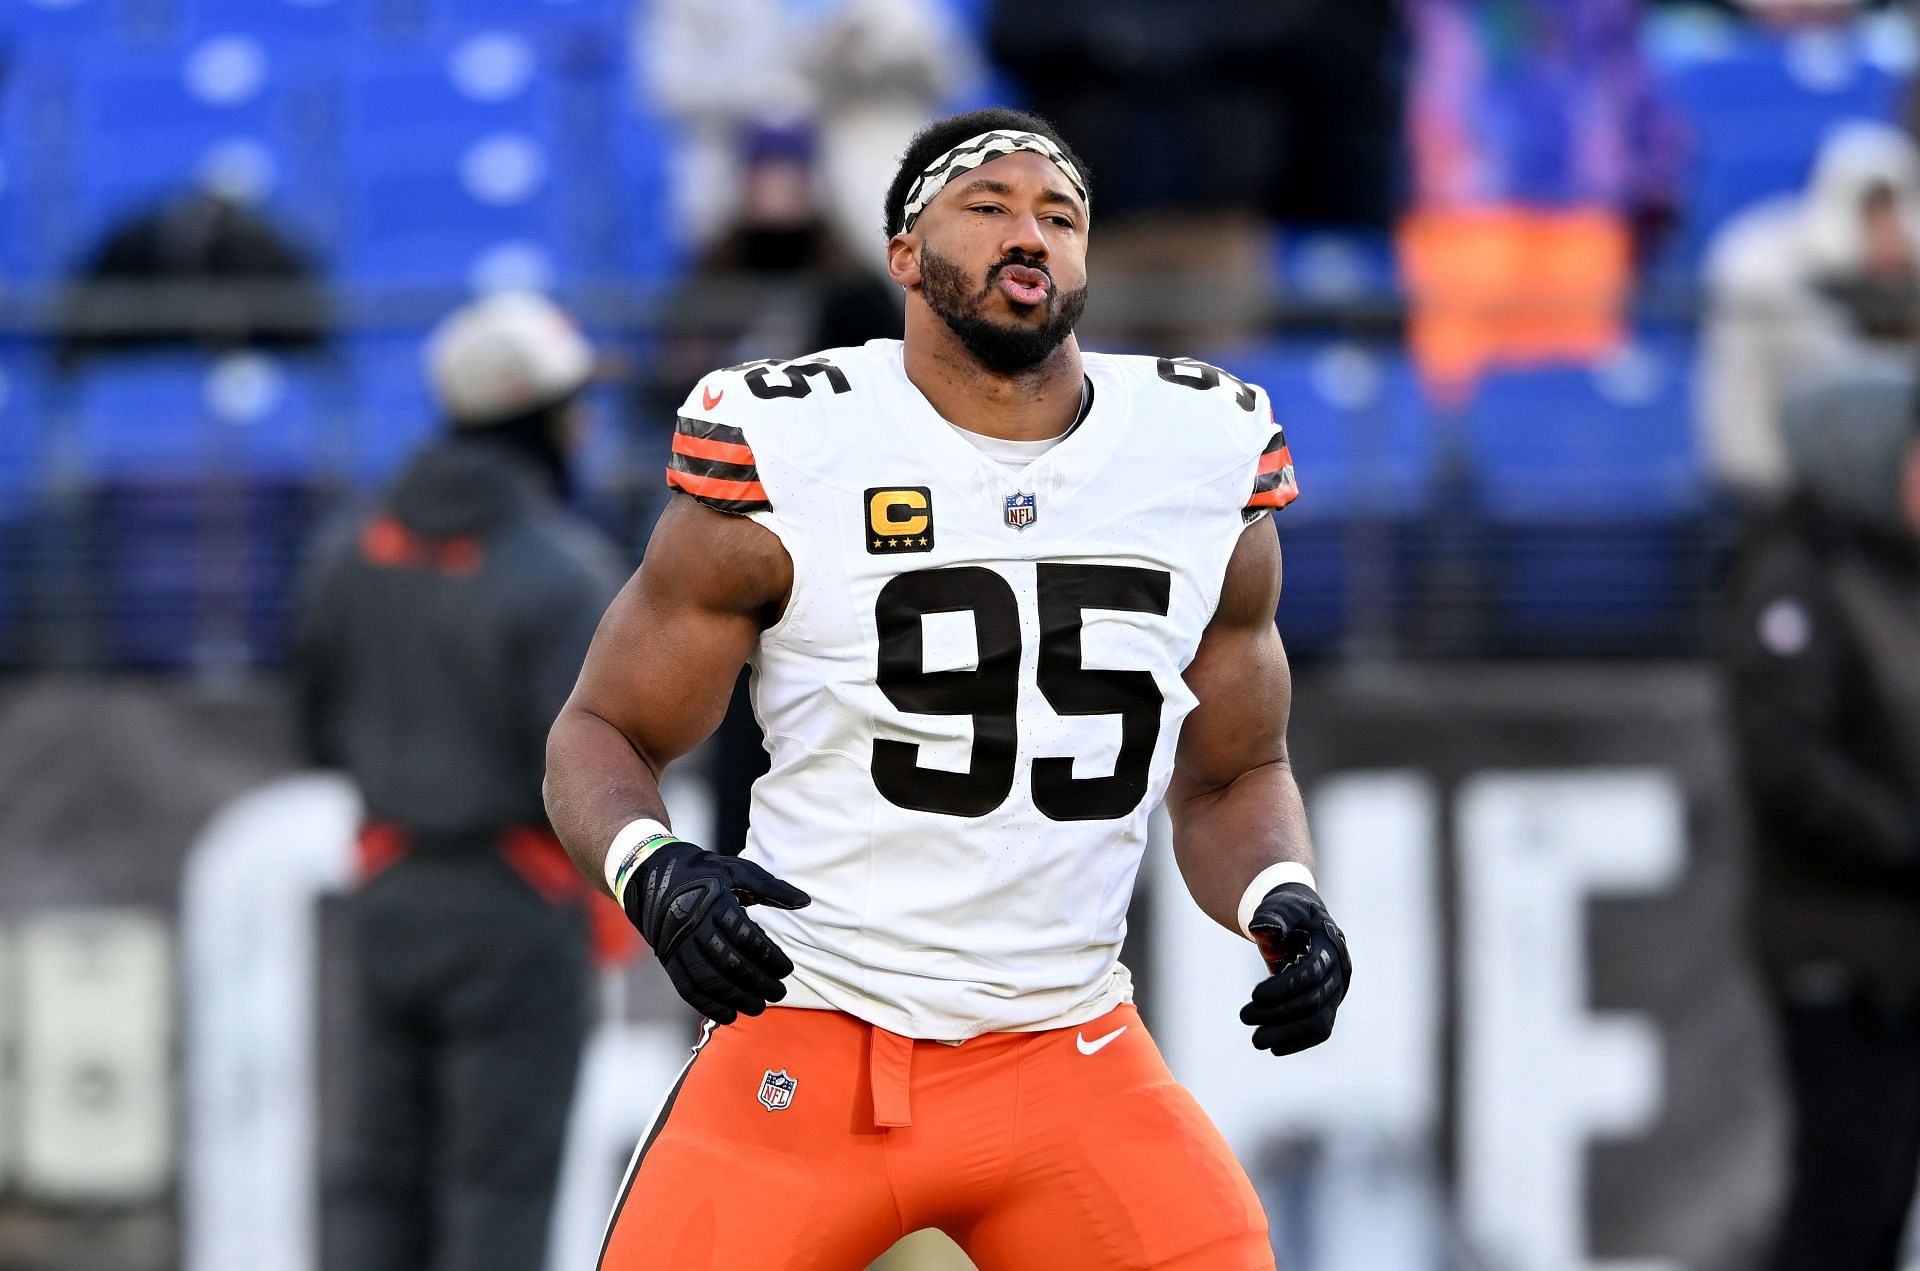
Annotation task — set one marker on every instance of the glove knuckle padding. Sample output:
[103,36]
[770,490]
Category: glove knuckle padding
[674,916]
[1293,1009]
[688,904]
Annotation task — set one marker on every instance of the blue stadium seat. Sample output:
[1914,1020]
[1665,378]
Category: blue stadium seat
[1327,265]
[469,165]
[427,227]
[1593,502]
[392,404]
[230,110]
[1355,423]
[1609,442]
[1358,431]
[173,416]
[286,20]
[608,15]
[1759,104]
[400,101]
[36,160]
[192,574]
[648,246]
[58,23]
[23,373]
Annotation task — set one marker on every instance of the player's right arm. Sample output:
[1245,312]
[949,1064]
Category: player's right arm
[655,684]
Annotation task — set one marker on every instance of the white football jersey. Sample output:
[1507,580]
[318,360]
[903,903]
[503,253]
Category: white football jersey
[972,697]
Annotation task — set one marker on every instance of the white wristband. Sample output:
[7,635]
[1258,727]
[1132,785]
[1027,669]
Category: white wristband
[635,839]
[1265,881]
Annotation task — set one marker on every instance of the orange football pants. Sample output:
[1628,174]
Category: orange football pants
[808,1139]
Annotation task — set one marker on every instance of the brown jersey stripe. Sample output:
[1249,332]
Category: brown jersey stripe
[1278,497]
[727,496]
[712,448]
[709,430]
[1276,442]
[1276,468]
[712,468]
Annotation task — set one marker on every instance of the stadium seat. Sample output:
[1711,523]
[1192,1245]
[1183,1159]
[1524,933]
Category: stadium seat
[244,415]
[1359,437]
[1614,441]
[607,15]
[394,410]
[22,422]
[1325,265]
[400,100]
[232,111]
[1758,104]
[478,162]
[286,20]
[37,24]
[193,574]
[1592,501]
[1355,423]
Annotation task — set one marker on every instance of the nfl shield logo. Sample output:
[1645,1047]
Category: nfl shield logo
[1021,510]
[776,1089]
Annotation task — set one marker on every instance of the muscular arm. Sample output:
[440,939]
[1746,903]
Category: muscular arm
[1234,804]
[659,672]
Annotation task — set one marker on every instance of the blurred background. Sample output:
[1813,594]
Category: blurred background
[1532,284]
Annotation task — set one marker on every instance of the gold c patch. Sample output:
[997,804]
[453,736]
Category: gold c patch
[899,519]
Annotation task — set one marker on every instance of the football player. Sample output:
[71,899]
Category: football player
[1001,598]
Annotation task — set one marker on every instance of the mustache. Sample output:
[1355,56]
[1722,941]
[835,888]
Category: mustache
[1025,262]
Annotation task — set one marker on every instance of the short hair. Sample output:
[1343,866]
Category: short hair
[943,135]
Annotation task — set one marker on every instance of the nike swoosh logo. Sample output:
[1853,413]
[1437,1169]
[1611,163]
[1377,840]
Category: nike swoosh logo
[1089,1047]
[710,399]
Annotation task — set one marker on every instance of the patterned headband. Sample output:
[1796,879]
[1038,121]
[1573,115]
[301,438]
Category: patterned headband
[970,154]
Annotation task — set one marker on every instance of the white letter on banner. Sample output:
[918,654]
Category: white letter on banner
[1369,1096]
[1540,1076]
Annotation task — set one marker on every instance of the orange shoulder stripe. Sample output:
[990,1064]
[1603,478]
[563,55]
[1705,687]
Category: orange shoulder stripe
[1273,461]
[1278,497]
[708,448]
[715,488]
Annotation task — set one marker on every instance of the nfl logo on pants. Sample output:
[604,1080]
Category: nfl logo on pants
[776,1089]
[1021,510]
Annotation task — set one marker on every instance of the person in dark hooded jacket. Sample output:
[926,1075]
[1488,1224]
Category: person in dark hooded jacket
[439,636]
[1822,653]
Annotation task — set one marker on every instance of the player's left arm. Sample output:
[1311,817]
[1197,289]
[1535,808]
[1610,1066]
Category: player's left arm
[1238,821]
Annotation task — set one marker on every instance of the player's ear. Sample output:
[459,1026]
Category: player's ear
[903,260]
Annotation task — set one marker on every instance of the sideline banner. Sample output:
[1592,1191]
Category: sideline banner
[1555,1053]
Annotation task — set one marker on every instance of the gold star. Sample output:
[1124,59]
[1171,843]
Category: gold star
[926,542]
[876,542]
[893,542]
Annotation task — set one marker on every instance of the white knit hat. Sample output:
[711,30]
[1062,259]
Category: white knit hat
[503,356]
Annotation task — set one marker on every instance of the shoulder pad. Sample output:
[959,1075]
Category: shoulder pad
[712,438]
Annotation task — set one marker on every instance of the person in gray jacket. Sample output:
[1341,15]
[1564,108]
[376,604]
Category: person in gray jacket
[1821,649]
[438,637]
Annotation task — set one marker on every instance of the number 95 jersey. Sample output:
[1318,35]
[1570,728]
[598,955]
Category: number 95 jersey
[972,698]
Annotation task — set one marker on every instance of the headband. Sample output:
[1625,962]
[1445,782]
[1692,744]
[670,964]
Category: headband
[975,151]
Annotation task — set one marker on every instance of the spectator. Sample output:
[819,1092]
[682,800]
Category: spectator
[863,74]
[1803,283]
[438,640]
[784,287]
[718,68]
[235,280]
[879,71]
[1822,652]
[1204,123]
[1543,164]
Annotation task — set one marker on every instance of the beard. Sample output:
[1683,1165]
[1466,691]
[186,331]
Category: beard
[1000,347]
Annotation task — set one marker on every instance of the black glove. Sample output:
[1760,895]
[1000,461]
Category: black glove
[1308,970]
[690,906]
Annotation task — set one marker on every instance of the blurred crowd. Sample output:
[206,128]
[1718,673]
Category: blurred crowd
[1439,230]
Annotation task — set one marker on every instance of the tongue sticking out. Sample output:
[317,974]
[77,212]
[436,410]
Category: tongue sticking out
[1026,286]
